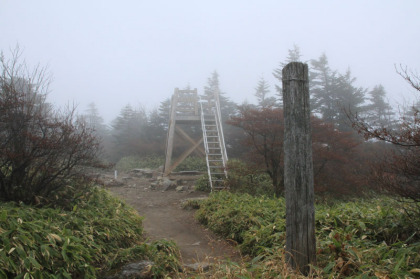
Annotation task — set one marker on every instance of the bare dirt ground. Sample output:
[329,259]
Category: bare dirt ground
[165,219]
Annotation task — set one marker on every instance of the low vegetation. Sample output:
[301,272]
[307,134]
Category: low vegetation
[97,235]
[154,162]
[361,238]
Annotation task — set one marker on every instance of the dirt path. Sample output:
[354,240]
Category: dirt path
[165,219]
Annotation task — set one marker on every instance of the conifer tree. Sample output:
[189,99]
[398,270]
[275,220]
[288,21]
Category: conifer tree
[262,92]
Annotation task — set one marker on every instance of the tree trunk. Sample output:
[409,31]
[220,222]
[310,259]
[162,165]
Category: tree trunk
[298,169]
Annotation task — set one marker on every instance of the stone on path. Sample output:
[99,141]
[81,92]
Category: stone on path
[140,269]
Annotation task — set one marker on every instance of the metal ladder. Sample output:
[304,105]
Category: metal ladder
[214,143]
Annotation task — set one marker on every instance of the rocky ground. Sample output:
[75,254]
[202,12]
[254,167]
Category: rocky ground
[159,200]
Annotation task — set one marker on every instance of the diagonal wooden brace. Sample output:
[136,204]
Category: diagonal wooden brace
[183,156]
[199,150]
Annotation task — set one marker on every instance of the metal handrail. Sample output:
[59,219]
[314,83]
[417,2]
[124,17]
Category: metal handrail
[206,147]
[220,128]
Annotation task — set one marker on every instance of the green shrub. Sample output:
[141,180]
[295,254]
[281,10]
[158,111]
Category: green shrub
[192,164]
[203,184]
[99,233]
[243,178]
[355,238]
[137,162]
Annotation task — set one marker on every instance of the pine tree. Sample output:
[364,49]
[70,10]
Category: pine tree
[323,89]
[334,95]
[95,120]
[227,107]
[293,56]
[262,92]
[350,99]
[379,112]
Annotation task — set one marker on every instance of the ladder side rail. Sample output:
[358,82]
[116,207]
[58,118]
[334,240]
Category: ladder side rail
[220,128]
[221,143]
[206,147]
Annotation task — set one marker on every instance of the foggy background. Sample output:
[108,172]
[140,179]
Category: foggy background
[115,53]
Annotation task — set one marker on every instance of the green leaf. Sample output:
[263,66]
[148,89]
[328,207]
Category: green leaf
[329,267]
[34,263]
[3,215]
[3,274]
[21,252]
[362,225]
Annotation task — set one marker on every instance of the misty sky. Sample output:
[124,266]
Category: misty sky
[133,51]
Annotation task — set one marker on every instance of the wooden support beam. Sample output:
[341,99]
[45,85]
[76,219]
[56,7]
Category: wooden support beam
[171,132]
[199,149]
[182,157]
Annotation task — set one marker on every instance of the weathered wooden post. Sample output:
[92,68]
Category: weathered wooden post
[298,168]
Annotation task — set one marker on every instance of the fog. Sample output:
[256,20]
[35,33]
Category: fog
[115,53]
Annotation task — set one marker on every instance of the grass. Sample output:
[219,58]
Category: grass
[360,239]
[99,234]
[368,238]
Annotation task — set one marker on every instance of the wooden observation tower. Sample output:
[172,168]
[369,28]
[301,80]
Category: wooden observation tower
[189,109]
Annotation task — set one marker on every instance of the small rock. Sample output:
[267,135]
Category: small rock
[140,269]
[125,178]
[168,185]
[113,183]
[204,266]
[180,188]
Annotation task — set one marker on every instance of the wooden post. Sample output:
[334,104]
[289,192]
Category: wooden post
[171,132]
[298,169]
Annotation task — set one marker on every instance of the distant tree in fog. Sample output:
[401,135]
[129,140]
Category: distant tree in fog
[227,106]
[294,55]
[164,112]
[262,92]
[332,94]
[378,112]
[95,120]
[137,132]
